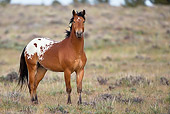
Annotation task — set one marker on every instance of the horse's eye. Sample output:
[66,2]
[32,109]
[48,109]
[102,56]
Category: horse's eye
[73,21]
[83,21]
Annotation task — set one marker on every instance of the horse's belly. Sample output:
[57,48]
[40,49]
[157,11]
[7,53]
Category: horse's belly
[50,61]
[51,65]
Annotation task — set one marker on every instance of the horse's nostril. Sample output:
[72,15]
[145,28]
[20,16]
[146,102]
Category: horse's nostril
[79,34]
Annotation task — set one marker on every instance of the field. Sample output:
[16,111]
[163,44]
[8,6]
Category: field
[128,52]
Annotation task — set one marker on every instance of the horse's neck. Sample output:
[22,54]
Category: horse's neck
[77,43]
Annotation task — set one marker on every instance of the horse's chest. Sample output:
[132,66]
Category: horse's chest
[78,63]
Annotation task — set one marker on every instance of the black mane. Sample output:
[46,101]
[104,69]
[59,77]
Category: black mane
[71,20]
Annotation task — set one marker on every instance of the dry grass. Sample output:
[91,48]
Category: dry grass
[128,48]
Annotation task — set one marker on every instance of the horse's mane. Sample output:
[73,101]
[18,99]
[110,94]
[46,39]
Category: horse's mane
[71,20]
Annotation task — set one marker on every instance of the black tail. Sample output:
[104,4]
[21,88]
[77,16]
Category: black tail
[23,71]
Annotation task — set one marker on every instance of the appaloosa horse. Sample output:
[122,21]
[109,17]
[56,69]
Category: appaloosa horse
[68,56]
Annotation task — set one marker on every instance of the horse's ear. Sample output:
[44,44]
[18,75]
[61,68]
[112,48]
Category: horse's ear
[83,12]
[74,13]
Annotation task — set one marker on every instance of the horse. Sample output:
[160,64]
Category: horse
[68,56]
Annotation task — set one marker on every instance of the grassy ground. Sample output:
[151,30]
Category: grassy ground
[128,67]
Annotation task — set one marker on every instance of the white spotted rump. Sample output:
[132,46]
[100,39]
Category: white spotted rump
[38,46]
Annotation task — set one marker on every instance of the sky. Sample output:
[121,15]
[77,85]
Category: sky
[67,2]
[63,2]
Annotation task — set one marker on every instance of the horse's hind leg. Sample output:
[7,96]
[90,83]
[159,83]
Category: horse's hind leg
[38,77]
[32,70]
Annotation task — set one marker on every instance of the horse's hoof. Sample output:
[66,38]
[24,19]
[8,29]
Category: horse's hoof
[69,102]
[34,102]
[79,102]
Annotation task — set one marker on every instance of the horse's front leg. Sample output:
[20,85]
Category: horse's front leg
[67,76]
[79,78]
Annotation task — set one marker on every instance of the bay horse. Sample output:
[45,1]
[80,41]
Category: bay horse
[68,56]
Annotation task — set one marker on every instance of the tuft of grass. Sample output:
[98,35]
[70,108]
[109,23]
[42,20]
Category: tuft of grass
[56,109]
[28,109]
[168,99]
[56,92]
[133,89]
[155,109]
[105,107]
[8,104]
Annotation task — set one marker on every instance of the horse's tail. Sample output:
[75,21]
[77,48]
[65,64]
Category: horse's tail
[23,71]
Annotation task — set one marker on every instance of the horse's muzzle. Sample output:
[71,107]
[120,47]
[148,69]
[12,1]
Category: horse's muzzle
[79,34]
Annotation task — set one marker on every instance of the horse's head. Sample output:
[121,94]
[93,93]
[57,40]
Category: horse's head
[78,23]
